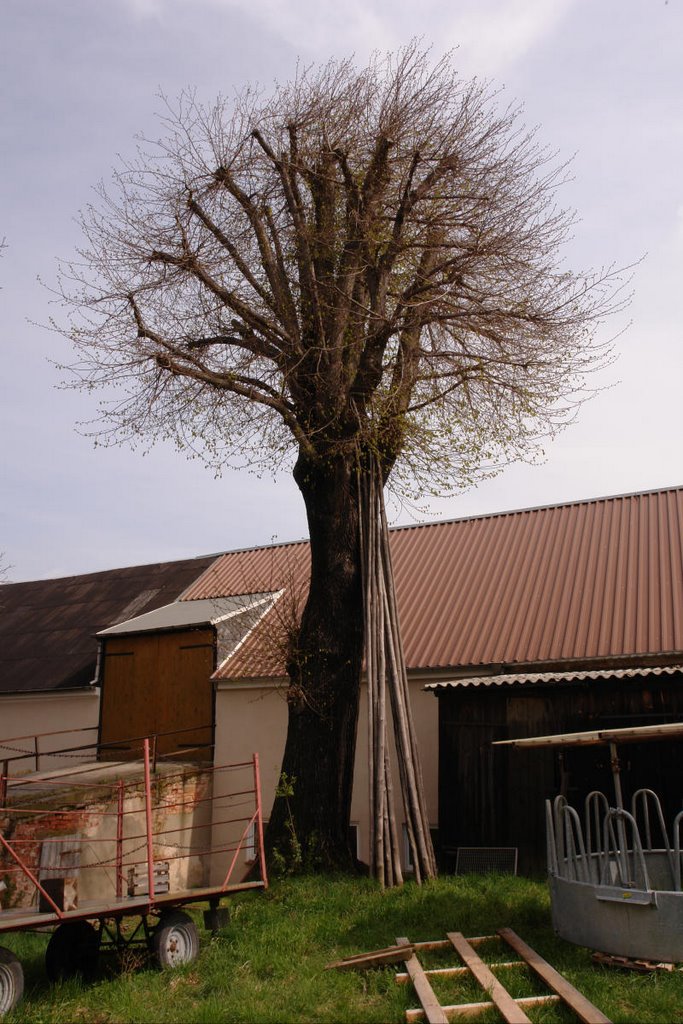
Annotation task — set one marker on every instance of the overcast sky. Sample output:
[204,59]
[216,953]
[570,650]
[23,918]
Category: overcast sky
[603,80]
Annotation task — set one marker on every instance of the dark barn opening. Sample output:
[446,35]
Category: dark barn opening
[495,796]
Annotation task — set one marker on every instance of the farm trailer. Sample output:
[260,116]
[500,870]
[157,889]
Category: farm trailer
[108,852]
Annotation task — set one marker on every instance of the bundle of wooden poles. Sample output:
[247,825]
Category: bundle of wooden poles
[386,675]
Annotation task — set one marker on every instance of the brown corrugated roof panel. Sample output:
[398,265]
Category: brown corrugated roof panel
[585,582]
[588,580]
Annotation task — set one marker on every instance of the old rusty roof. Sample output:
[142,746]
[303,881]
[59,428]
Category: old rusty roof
[589,581]
[47,627]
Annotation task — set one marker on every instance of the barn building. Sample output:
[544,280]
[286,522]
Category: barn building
[533,621]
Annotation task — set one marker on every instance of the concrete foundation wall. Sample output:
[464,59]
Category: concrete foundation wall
[39,830]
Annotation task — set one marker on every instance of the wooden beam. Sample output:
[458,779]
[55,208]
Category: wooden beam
[445,944]
[510,1011]
[475,1009]
[632,734]
[377,958]
[582,1007]
[430,1004]
[448,972]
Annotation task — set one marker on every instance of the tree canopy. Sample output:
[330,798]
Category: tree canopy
[366,254]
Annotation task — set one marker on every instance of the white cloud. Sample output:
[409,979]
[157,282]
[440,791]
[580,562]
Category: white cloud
[144,9]
[490,34]
[496,33]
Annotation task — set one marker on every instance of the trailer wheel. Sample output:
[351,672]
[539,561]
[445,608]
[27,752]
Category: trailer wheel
[73,949]
[176,939]
[11,981]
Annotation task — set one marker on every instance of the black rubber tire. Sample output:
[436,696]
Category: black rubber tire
[73,949]
[11,981]
[175,940]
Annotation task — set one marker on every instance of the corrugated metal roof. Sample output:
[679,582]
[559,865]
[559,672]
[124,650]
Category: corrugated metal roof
[594,579]
[576,675]
[47,627]
[581,582]
[266,569]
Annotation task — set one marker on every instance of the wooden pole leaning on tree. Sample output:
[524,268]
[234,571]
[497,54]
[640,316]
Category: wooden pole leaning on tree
[385,667]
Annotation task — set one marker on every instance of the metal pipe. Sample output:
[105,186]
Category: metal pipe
[148,819]
[29,874]
[615,766]
[259,819]
[239,847]
[119,838]
[677,850]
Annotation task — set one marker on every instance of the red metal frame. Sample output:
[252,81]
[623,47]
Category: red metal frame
[151,902]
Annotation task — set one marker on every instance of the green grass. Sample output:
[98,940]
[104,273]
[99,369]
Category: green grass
[268,964]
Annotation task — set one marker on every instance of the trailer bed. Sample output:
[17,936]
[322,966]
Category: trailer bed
[19,919]
[85,847]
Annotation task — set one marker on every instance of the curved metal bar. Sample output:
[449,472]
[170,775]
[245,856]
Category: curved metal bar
[596,806]
[643,798]
[574,831]
[550,840]
[615,841]
[677,850]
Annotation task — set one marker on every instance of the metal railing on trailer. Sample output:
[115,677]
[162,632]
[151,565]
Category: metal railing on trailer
[89,846]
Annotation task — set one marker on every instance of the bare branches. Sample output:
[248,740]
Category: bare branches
[366,253]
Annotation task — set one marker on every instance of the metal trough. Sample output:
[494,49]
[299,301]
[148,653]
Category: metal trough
[615,873]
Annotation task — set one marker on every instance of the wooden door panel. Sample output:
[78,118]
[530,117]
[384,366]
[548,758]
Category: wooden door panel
[158,684]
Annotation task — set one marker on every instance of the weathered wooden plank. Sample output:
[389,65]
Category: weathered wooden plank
[631,734]
[582,1007]
[511,1012]
[475,1009]
[362,961]
[477,940]
[455,972]
[425,992]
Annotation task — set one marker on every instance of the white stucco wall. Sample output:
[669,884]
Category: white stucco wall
[253,718]
[35,714]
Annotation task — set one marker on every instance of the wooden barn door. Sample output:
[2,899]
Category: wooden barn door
[158,684]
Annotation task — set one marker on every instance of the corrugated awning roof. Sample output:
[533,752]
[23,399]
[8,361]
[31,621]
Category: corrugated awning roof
[573,675]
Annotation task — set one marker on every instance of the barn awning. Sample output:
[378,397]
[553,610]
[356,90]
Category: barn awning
[572,675]
[634,734]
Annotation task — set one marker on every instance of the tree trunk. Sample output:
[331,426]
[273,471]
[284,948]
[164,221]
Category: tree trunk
[309,827]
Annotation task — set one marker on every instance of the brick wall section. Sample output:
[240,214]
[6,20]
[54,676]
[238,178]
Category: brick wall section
[180,800]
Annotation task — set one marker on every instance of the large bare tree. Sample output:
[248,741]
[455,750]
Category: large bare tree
[362,268]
